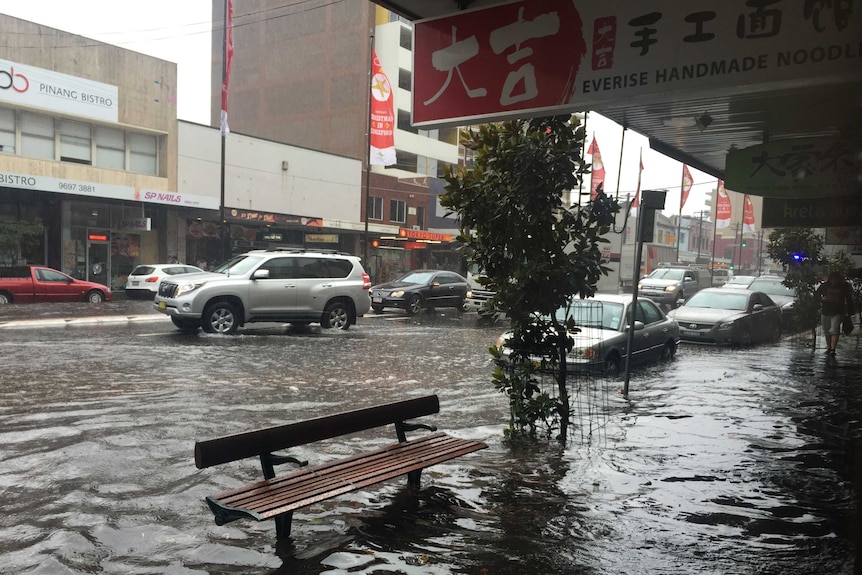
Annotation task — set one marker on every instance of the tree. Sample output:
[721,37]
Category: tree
[799,251]
[17,237]
[536,252]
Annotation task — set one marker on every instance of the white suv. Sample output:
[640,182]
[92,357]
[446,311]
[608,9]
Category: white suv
[288,285]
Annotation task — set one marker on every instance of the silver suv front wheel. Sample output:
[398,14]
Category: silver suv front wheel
[220,317]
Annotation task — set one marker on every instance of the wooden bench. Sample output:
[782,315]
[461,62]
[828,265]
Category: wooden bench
[277,497]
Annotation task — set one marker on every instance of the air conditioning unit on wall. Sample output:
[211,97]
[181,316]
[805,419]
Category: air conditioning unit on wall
[415,227]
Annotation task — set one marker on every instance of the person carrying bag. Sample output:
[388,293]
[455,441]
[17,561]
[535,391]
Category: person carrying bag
[836,307]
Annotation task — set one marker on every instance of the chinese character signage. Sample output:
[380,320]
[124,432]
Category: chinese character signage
[540,56]
[797,168]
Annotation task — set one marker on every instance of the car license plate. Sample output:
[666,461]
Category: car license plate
[688,332]
[376,300]
[134,283]
[162,305]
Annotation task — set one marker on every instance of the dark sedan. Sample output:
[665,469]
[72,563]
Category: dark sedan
[728,316]
[783,296]
[421,289]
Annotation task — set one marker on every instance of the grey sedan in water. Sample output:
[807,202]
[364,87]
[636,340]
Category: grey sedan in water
[728,316]
[599,336]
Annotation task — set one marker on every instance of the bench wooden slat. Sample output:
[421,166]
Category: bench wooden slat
[303,487]
[234,447]
[307,483]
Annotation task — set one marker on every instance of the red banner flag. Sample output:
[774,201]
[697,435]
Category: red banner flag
[747,215]
[228,61]
[722,207]
[687,182]
[382,136]
[597,174]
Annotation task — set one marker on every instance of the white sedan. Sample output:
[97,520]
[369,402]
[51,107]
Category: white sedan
[143,282]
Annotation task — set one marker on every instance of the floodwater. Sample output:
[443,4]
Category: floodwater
[723,461]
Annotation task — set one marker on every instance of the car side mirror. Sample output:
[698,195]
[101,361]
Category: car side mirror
[260,275]
[757,307]
[435,284]
[639,325]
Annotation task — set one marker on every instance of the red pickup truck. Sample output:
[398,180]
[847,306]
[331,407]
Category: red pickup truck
[31,284]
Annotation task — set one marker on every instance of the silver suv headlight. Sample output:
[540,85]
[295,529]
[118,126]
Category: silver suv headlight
[185,288]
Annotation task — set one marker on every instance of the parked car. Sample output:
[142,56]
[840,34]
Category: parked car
[421,289]
[600,342]
[721,276]
[782,295]
[668,286]
[143,282]
[739,282]
[728,316]
[291,285]
[34,284]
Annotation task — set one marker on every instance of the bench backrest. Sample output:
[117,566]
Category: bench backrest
[252,443]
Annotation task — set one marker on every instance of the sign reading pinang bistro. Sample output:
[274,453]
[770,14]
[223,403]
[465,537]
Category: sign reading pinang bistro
[25,85]
[423,235]
[78,188]
[534,57]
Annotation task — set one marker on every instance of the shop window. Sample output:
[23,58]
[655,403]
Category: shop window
[143,150]
[397,211]
[404,122]
[7,131]
[37,136]
[375,208]
[110,148]
[76,142]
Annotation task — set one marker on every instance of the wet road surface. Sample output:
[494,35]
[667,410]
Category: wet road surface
[722,462]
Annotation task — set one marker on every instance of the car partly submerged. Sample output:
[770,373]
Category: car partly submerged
[728,316]
[598,333]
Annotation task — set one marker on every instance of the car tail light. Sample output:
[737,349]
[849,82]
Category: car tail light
[366,281]
[152,280]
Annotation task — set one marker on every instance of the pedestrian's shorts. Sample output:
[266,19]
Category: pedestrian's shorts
[831,324]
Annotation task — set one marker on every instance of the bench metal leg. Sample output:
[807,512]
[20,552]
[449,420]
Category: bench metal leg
[282,525]
[414,476]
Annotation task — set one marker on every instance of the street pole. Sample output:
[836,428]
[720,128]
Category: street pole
[368,154]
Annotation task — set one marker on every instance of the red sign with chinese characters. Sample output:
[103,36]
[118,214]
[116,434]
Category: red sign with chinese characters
[539,57]
[510,57]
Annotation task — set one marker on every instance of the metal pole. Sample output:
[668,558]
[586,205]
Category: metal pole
[368,153]
[679,219]
[714,230]
[617,198]
[635,279]
[225,240]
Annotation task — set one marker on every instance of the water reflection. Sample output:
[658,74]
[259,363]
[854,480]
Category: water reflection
[724,461]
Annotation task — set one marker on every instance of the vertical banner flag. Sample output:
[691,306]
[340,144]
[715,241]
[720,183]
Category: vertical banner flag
[687,182]
[747,215]
[228,61]
[597,174]
[382,136]
[722,207]
[637,201]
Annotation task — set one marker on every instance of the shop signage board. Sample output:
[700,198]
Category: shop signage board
[814,212]
[238,215]
[537,57]
[100,190]
[796,168]
[24,85]
[321,238]
[423,235]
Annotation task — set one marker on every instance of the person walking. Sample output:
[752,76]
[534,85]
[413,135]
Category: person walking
[836,302]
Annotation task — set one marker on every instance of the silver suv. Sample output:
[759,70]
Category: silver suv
[282,285]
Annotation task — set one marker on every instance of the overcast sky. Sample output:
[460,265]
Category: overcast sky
[180,31]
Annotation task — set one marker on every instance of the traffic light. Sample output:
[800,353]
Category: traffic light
[744,243]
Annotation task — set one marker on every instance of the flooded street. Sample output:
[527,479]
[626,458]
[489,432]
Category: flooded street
[723,461]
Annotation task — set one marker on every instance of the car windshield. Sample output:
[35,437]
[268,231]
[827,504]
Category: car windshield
[416,277]
[719,300]
[667,274]
[592,313]
[238,265]
[771,287]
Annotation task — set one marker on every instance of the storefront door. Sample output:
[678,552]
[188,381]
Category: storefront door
[98,262]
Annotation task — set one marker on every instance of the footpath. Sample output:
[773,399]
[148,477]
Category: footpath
[119,310]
